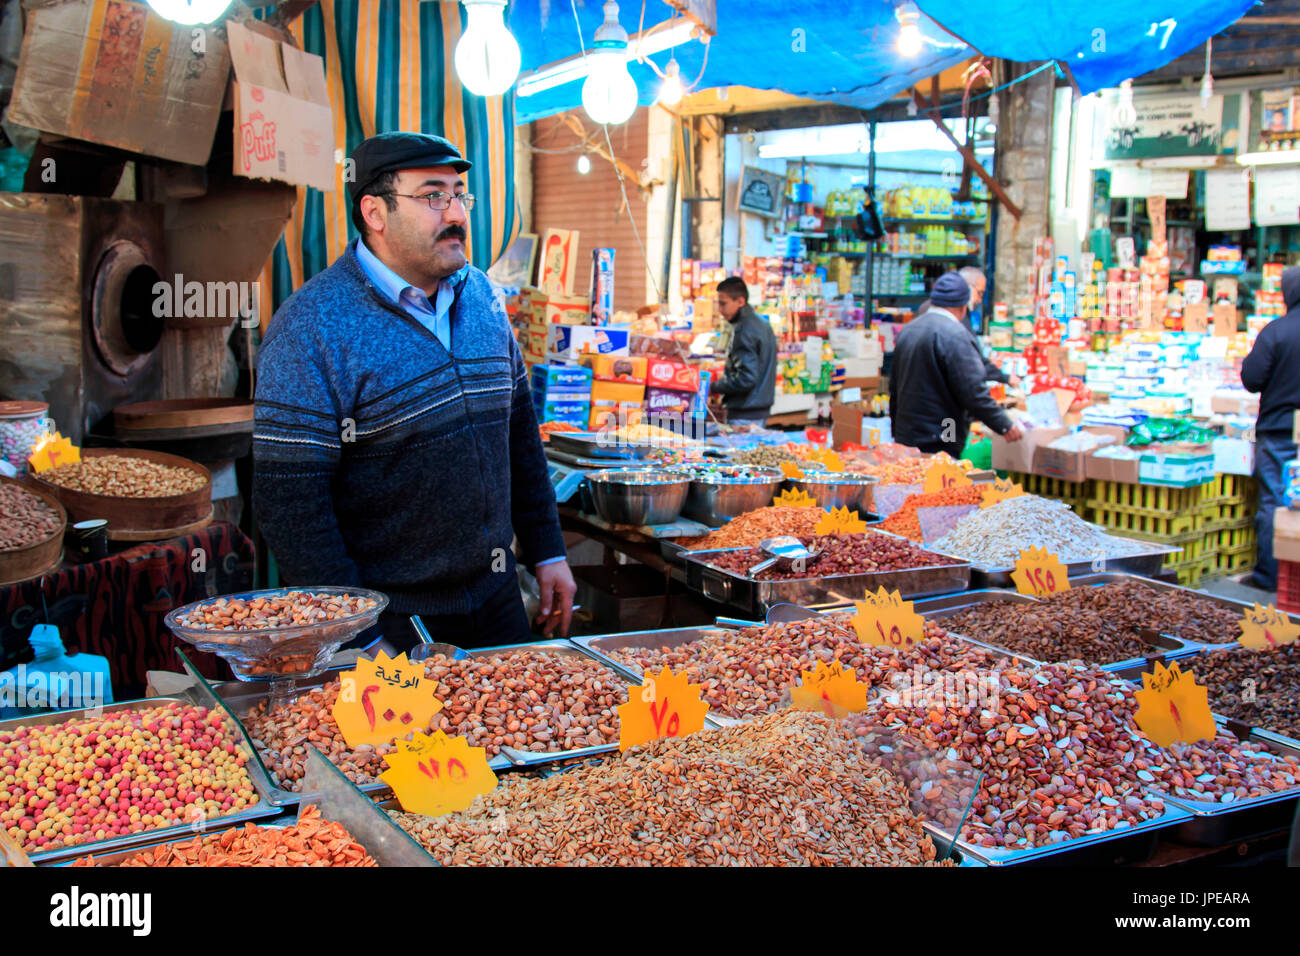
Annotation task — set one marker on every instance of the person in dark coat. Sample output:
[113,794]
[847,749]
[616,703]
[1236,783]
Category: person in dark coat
[977,282]
[1273,369]
[936,386]
[748,383]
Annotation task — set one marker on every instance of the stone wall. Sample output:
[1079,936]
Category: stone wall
[1024,143]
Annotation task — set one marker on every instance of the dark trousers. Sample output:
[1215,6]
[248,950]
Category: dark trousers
[1272,451]
[501,620]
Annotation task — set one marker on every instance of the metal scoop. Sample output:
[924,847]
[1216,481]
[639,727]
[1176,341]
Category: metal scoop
[429,647]
[783,551]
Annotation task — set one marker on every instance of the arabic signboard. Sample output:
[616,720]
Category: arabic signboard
[1168,124]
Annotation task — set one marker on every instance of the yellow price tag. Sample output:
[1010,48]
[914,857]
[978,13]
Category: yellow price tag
[1002,489]
[384,699]
[943,475]
[832,461]
[830,688]
[1265,628]
[437,774]
[52,451]
[840,521]
[791,470]
[665,705]
[884,619]
[1039,573]
[795,499]
[1173,707]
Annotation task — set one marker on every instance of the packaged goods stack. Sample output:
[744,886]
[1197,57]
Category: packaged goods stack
[617,390]
[562,393]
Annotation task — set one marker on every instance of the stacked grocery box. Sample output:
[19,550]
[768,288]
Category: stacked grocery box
[617,389]
[562,393]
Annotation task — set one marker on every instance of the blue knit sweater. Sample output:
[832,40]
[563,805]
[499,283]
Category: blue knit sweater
[382,461]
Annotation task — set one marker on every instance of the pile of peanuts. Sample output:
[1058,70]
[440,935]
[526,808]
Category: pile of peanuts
[290,609]
[312,841]
[1129,606]
[753,527]
[1223,770]
[1261,688]
[840,554]
[530,700]
[120,477]
[788,790]
[905,522]
[97,778]
[24,519]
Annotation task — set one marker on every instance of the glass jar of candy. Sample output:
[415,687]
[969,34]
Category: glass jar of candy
[21,426]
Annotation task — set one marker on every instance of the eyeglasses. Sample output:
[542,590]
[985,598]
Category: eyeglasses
[439,200]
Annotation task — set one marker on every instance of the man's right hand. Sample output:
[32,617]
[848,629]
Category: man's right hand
[1015,433]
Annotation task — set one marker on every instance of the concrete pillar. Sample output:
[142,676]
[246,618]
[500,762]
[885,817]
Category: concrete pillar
[706,226]
[1024,142]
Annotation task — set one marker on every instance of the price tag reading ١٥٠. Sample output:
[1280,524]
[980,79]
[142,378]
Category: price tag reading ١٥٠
[1265,628]
[884,619]
[384,699]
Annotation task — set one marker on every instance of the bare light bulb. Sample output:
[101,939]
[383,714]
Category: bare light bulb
[487,54]
[909,33]
[670,93]
[584,165]
[189,12]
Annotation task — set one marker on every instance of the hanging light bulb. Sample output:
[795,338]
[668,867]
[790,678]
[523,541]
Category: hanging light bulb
[487,56]
[910,40]
[609,93]
[1207,81]
[584,164]
[670,93]
[189,12]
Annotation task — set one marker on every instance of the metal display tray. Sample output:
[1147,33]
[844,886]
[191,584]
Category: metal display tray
[1162,645]
[239,697]
[262,810]
[1143,563]
[675,553]
[755,597]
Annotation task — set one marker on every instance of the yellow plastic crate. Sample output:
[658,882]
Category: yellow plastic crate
[1155,524]
[1228,515]
[1230,489]
[1154,499]
[1073,493]
[1189,575]
[1237,559]
[1236,538]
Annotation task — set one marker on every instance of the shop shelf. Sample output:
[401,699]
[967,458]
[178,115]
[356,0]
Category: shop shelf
[1156,524]
[1288,586]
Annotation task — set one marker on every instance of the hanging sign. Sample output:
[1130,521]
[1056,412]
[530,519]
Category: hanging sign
[1164,124]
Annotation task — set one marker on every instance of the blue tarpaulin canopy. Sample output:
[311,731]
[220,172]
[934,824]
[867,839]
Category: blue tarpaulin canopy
[1104,42]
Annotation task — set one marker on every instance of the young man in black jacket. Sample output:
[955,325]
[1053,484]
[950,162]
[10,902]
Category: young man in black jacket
[1273,369]
[748,384]
[936,386]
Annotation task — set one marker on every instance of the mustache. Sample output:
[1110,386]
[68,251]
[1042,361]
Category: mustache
[452,232]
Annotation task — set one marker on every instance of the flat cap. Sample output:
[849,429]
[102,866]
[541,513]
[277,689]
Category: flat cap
[389,152]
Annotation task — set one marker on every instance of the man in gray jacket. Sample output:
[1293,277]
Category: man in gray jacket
[748,384]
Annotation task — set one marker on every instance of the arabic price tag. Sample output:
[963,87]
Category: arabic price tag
[1039,573]
[437,774]
[884,619]
[1265,628]
[791,470]
[1173,707]
[795,499]
[831,460]
[944,474]
[830,688]
[665,705]
[52,451]
[384,699]
[840,521]
[994,491]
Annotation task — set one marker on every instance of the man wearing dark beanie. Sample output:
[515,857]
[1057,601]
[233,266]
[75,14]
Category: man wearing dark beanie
[395,444]
[936,386]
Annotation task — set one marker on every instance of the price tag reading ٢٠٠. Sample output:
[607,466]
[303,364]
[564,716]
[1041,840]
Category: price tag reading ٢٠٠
[943,475]
[1265,628]
[831,689]
[437,774]
[840,521]
[665,705]
[1039,573]
[1173,707]
[884,619]
[384,699]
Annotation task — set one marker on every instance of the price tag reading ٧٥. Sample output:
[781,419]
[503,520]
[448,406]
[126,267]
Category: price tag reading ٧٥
[1265,628]
[1039,573]
[943,475]
[831,689]
[384,699]
[884,619]
[840,521]
[795,499]
[52,451]
[790,470]
[1173,707]
[1002,489]
[437,774]
[665,705]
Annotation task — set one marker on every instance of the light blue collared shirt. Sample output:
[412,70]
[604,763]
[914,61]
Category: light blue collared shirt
[435,317]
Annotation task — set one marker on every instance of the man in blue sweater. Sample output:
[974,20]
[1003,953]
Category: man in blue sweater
[396,446]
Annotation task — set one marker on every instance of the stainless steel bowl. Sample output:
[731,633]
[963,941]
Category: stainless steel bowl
[839,490]
[714,500]
[638,496]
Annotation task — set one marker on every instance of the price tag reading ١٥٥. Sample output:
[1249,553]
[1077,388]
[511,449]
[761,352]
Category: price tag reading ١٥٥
[840,521]
[943,475]
[437,774]
[384,699]
[1265,628]
[831,689]
[665,705]
[1039,573]
[795,499]
[994,491]
[884,619]
[1173,707]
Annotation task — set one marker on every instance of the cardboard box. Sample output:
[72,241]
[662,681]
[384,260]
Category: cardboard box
[561,377]
[120,75]
[564,309]
[1178,471]
[1122,470]
[1225,319]
[1234,403]
[611,368]
[1286,534]
[284,125]
[857,422]
[627,392]
[571,341]
[574,413]
[613,415]
[870,385]
[1234,456]
[1019,455]
[659,401]
[1068,465]
[665,373]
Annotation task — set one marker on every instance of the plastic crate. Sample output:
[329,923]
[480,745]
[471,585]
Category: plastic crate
[1152,499]
[1288,586]
[1234,538]
[1219,515]
[1230,489]
[1191,571]
[1234,560]
[1073,493]
[1157,525]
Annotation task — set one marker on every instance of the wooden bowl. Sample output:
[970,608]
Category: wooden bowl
[184,417]
[129,518]
[35,559]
